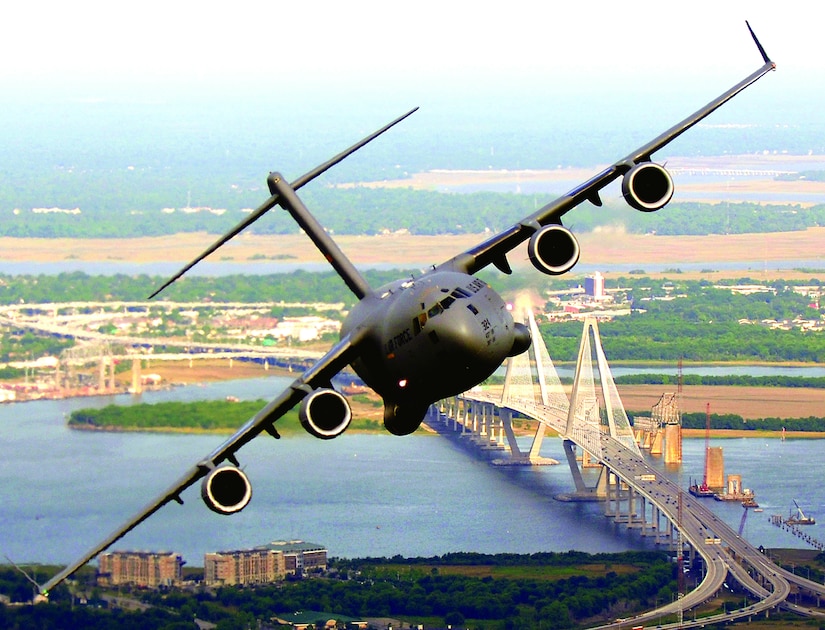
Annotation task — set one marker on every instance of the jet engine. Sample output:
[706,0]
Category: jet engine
[647,186]
[325,413]
[226,490]
[402,419]
[553,250]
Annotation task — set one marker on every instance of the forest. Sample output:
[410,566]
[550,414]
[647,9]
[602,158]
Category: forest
[698,321]
[206,415]
[363,210]
[297,286]
[736,422]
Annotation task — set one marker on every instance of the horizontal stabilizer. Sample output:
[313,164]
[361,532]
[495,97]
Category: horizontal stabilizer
[273,200]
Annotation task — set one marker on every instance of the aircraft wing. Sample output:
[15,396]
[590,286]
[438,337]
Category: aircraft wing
[494,250]
[319,375]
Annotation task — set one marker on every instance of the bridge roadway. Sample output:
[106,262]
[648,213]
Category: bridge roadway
[732,555]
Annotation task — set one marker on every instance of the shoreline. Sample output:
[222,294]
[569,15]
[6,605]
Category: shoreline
[738,398]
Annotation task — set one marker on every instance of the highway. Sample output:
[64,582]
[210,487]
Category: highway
[43,318]
[698,524]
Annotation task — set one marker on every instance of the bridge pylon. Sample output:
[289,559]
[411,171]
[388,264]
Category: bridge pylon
[595,405]
[531,379]
[595,410]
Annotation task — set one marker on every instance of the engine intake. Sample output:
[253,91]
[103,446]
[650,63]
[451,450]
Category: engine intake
[647,186]
[226,490]
[553,250]
[325,413]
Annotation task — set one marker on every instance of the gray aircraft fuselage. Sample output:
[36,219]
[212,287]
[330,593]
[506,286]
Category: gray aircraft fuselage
[432,337]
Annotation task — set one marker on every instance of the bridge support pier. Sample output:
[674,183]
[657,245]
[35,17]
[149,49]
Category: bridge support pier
[506,417]
[583,492]
[578,480]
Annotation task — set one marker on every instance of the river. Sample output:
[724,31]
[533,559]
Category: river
[359,495]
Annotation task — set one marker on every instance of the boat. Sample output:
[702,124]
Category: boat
[799,518]
[700,489]
[749,502]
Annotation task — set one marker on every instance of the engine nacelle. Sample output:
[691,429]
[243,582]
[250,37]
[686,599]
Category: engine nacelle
[553,250]
[325,413]
[226,490]
[647,186]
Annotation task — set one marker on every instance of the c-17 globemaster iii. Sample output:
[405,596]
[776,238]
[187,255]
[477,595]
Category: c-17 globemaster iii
[420,339]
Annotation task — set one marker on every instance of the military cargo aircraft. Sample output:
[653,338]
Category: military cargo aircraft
[420,339]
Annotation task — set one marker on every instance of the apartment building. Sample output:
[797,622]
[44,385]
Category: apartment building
[140,568]
[264,564]
[243,566]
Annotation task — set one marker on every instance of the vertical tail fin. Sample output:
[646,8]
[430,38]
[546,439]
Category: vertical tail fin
[290,201]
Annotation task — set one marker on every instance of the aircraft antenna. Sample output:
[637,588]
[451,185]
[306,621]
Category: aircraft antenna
[25,574]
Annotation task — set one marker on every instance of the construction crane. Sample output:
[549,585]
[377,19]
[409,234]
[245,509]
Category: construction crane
[800,518]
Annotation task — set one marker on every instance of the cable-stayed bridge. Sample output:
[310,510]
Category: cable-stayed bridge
[596,431]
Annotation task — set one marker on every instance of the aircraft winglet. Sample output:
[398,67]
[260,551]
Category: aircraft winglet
[759,46]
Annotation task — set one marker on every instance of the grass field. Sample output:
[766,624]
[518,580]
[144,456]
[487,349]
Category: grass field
[405,250]
[748,402]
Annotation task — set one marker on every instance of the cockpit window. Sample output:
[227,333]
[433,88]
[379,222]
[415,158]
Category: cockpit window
[418,323]
[440,307]
[472,309]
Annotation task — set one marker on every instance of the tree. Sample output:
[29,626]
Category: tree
[454,619]
[556,615]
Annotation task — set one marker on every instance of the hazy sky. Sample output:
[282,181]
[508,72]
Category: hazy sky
[89,42]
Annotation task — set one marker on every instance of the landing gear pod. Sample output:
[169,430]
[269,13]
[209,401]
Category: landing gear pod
[553,250]
[325,414]
[647,187]
[226,490]
[521,339]
[403,419]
